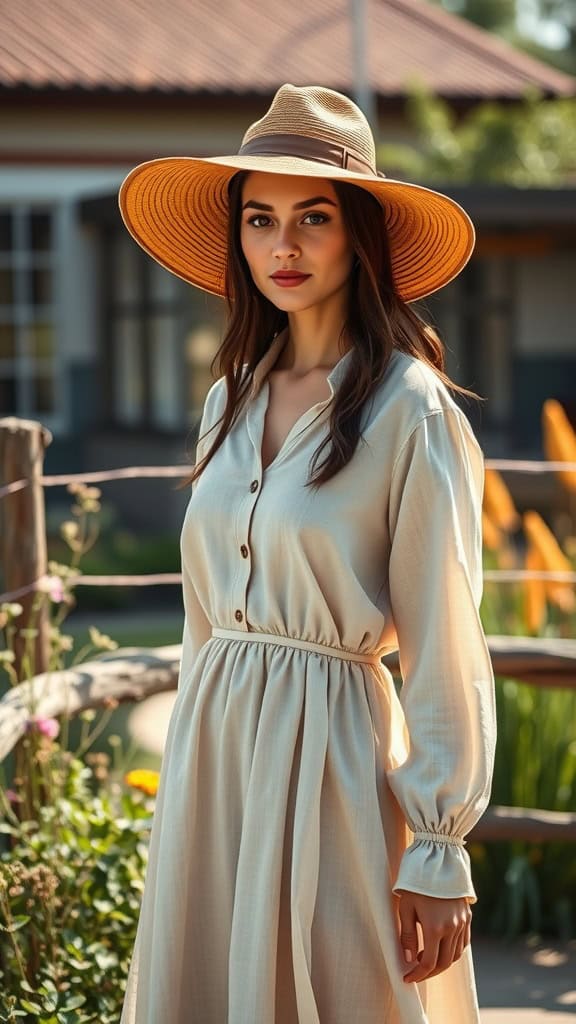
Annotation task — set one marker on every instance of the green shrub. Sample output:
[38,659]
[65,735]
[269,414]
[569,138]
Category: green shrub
[530,886]
[70,890]
[73,837]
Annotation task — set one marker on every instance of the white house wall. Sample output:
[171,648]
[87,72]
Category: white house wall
[144,132]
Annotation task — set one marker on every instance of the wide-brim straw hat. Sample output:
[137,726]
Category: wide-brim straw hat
[176,208]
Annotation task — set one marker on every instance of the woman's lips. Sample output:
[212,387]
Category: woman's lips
[289,280]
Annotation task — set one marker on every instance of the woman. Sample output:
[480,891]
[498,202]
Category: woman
[307,859]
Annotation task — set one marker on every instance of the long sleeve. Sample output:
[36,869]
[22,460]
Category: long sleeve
[448,698]
[197,628]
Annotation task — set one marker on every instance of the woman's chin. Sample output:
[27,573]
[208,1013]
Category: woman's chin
[290,303]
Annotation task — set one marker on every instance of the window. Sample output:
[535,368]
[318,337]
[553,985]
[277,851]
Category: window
[28,372]
[475,314]
[160,337]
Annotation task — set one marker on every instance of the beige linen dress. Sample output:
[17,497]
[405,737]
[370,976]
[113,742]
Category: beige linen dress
[298,790]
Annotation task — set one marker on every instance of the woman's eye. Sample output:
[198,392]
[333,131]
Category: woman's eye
[321,218]
[260,220]
[257,217]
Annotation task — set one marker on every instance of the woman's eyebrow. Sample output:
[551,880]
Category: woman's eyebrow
[297,206]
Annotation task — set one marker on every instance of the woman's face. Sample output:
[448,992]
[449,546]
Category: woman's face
[293,225]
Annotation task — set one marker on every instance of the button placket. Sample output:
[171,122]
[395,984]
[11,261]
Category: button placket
[254,423]
[243,531]
[244,548]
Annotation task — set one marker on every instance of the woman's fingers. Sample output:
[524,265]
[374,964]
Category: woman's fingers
[446,930]
[408,931]
[438,954]
[428,956]
[448,953]
[464,938]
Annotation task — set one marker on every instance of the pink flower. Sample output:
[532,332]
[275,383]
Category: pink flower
[45,726]
[52,585]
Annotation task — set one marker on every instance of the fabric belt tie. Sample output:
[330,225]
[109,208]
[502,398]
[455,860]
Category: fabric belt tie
[309,148]
[303,645]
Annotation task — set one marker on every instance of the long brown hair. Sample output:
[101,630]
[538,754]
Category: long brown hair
[378,321]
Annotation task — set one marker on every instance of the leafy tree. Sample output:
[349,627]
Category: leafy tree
[494,15]
[564,12]
[501,17]
[533,143]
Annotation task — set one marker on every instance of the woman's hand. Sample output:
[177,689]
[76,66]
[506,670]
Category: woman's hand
[445,924]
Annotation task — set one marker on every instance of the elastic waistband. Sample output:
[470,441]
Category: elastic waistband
[291,641]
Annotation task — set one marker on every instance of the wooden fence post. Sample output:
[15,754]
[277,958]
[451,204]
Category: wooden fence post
[23,527]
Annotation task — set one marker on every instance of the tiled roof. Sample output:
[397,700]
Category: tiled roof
[251,47]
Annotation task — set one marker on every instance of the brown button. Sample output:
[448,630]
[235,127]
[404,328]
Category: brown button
[238,615]
[254,486]
[244,551]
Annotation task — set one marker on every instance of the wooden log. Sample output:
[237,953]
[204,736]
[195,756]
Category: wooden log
[132,674]
[527,823]
[540,661]
[23,527]
[129,674]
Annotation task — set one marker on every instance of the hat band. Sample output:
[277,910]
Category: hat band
[307,149]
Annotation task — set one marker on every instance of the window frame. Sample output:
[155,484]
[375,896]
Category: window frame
[187,309]
[23,366]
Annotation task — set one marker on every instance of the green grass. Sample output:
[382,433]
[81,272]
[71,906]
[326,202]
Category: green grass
[161,635]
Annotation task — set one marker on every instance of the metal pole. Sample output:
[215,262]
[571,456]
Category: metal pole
[363,93]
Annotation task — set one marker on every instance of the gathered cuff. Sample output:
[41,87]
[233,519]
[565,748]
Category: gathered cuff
[436,864]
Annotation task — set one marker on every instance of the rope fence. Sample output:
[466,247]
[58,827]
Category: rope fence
[173,472]
[131,472]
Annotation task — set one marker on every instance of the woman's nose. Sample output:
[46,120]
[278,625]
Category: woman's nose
[285,244]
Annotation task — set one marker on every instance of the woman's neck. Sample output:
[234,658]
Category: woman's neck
[313,342]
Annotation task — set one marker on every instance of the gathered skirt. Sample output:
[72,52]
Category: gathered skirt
[275,843]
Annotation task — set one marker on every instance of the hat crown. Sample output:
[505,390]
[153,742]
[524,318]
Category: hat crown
[317,113]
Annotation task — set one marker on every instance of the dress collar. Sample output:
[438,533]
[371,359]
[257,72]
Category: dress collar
[271,355]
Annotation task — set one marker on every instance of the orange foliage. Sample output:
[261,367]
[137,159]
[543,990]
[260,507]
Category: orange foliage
[534,592]
[559,440]
[498,504]
[553,559]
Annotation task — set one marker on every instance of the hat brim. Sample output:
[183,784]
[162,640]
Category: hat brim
[176,208]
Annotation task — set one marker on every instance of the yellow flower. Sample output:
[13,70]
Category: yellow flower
[101,640]
[497,503]
[144,779]
[559,440]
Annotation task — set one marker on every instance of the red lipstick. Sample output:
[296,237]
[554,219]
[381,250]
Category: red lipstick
[289,278]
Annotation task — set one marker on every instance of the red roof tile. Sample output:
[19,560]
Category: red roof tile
[246,46]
